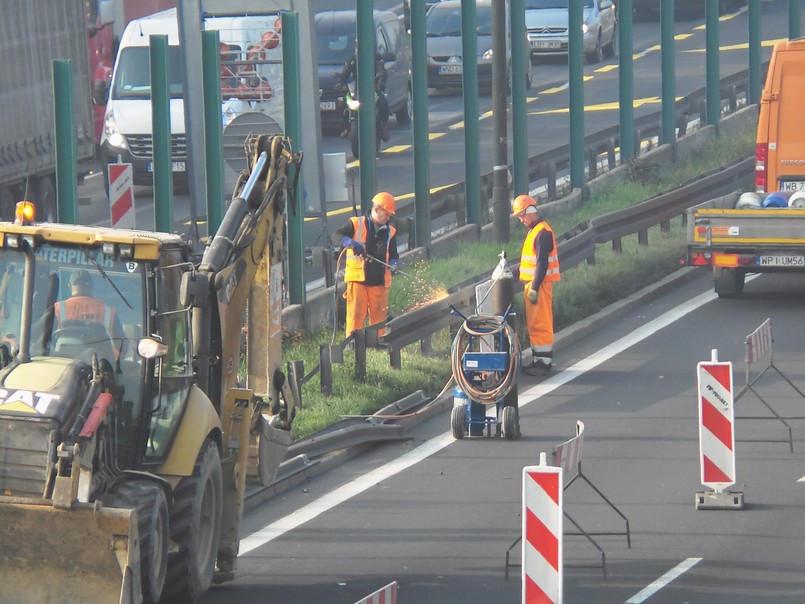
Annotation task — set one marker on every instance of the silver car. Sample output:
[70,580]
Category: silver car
[443,30]
[547,24]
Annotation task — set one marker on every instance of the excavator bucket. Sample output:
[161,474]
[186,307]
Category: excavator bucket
[84,554]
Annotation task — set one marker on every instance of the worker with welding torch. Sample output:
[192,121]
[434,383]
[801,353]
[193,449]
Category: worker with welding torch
[370,244]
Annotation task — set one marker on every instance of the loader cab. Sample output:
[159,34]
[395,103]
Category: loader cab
[125,299]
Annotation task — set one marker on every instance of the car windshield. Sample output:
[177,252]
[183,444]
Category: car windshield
[335,45]
[446,21]
[133,76]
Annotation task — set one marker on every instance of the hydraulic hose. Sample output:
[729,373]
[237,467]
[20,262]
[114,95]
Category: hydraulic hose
[495,385]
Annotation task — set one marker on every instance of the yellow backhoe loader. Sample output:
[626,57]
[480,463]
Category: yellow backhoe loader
[126,422]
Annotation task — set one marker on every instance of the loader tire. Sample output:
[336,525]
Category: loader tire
[195,528]
[151,504]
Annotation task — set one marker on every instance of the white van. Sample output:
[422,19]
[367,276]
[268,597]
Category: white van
[251,87]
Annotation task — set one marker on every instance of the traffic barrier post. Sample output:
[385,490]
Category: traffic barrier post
[121,196]
[759,348]
[717,436]
[542,571]
[384,595]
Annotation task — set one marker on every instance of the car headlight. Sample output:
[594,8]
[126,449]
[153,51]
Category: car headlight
[113,138]
[585,28]
[487,56]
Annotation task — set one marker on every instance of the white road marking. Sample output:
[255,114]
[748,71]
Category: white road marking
[679,569]
[359,485]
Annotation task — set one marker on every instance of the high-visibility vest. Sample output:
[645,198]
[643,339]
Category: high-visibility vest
[85,308]
[354,264]
[528,258]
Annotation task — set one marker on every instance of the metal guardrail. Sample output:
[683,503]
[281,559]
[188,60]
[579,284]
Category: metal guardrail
[547,169]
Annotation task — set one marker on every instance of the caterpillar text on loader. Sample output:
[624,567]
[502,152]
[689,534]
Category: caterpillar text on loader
[124,434]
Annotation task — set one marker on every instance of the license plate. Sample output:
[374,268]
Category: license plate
[178,166]
[781,260]
[546,44]
[450,69]
[792,185]
[327,105]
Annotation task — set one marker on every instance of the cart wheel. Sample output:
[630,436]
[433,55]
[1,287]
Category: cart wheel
[458,421]
[511,423]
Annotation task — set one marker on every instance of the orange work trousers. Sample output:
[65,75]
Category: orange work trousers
[363,300]
[539,318]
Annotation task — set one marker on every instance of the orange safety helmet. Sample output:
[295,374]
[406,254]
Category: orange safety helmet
[521,203]
[385,201]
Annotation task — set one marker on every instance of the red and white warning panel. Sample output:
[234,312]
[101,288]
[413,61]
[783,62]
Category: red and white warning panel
[716,424]
[121,196]
[384,595]
[542,534]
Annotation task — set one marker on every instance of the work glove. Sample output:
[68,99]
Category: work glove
[354,245]
[394,266]
[532,295]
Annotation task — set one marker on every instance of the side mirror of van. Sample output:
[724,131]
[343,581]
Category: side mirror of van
[389,57]
[100,92]
[407,15]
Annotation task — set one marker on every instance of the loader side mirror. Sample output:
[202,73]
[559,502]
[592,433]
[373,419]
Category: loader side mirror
[194,289]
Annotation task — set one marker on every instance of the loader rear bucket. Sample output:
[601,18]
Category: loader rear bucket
[59,556]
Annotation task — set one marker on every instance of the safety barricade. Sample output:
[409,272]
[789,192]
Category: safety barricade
[568,456]
[759,351]
[542,573]
[384,595]
[121,196]
[716,435]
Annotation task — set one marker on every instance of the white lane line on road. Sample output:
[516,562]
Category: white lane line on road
[437,443]
[678,570]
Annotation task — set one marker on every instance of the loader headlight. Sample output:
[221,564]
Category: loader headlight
[151,348]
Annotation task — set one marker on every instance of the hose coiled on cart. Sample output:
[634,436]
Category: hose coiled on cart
[497,384]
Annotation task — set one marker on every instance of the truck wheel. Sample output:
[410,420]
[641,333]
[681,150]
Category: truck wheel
[195,528]
[729,282]
[44,191]
[152,522]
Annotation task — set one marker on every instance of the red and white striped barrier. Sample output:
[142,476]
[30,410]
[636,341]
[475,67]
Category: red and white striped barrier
[716,424]
[758,343]
[542,573]
[384,595]
[121,196]
[568,454]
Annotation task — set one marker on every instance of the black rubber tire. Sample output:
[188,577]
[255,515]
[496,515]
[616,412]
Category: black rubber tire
[597,55]
[149,500]
[44,192]
[611,49]
[511,423]
[458,421]
[406,112]
[353,140]
[729,282]
[195,528]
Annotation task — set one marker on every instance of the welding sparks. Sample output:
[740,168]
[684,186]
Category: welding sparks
[432,296]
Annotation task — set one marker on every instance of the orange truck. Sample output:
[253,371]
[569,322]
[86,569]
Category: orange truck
[762,230]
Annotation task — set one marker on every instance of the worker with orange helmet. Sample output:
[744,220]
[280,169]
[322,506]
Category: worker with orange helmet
[539,270]
[370,244]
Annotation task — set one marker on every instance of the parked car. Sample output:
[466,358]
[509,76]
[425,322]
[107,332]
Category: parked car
[443,31]
[692,9]
[336,33]
[547,24]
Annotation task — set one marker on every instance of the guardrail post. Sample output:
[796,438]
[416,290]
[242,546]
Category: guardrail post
[360,355]
[665,226]
[325,370]
[425,346]
[296,375]
[617,245]
[592,161]
[612,161]
[642,237]
[682,124]
[550,175]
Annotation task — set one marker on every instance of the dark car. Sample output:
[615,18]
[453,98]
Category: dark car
[335,41]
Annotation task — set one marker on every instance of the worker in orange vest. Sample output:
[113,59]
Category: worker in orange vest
[81,306]
[370,243]
[539,270]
